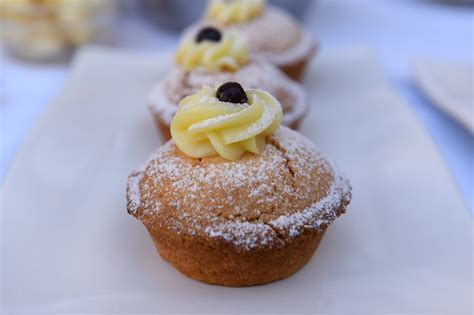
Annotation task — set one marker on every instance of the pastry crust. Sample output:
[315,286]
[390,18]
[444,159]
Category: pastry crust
[297,68]
[220,263]
[162,126]
[241,223]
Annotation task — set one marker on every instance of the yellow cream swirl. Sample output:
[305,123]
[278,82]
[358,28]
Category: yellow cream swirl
[228,54]
[204,126]
[234,11]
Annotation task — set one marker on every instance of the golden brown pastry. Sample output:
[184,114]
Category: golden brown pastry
[234,199]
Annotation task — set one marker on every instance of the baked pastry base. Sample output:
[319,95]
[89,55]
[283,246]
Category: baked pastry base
[296,70]
[162,126]
[224,265]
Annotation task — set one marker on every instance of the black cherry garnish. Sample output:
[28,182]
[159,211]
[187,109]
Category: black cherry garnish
[231,92]
[209,33]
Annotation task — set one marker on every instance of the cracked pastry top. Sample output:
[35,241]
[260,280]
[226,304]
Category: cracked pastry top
[261,198]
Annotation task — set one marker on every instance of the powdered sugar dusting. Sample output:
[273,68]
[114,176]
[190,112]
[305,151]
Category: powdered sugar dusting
[243,234]
[304,48]
[160,105]
[133,191]
[322,212]
[258,201]
[211,121]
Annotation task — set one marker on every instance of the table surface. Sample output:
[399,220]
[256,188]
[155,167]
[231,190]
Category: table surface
[399,33]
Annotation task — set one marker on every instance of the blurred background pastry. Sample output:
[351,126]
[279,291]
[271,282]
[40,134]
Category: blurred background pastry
[272,34]
[209,57]
[46,29]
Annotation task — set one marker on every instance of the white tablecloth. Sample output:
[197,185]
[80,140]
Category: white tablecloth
[398,32]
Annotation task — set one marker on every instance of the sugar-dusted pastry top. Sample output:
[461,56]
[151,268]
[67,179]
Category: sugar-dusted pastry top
[274,35]
[225,120]
[234,11]
[212,50]
[178,84]
[273,31]
[259,201]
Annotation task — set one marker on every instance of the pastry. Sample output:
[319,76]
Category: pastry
[234,198]
[210,57]
[271,32]
[44,29]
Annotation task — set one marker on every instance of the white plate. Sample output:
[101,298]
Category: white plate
[68,244]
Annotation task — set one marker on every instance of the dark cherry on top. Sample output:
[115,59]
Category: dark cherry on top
[231,92]
[209,33]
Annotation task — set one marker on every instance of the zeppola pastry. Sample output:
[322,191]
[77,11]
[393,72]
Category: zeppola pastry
[272,33]
[210,57]
[234,198]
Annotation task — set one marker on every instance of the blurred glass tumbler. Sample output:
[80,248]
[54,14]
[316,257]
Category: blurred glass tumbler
[178,14]
[45,29]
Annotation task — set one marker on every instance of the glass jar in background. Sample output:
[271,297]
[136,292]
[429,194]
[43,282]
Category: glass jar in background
[43,30]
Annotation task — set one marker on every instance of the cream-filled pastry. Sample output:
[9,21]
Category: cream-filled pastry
[234,198]
[272,33]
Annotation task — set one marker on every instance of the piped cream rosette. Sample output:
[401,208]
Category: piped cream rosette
[230,53]
[205,126]
[234,11]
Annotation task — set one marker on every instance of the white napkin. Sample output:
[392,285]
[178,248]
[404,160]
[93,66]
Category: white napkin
[68,244]
[450,87]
